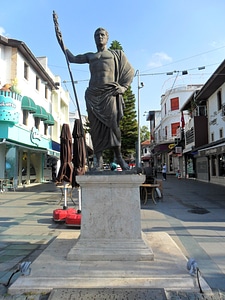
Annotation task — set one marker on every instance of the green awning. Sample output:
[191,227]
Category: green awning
[41,113]
[50,121]
[28,104]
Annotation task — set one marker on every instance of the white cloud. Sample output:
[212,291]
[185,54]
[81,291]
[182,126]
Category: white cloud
[158,59]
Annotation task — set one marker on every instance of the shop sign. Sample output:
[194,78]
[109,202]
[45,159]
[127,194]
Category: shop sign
[35,136]
[213,151]
[10,107]
[171,146]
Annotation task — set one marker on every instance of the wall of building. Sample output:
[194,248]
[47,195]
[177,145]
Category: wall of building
[24,149]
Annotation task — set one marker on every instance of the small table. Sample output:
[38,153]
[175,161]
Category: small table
[6,184]
[1,184]
[144,192]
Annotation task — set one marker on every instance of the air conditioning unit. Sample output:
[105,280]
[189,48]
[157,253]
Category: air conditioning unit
[178,149]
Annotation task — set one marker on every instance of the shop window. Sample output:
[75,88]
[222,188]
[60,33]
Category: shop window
[174,103]
[219,100]
[25,117]
[221,161]
[32,170]
[26,71]
[213,165]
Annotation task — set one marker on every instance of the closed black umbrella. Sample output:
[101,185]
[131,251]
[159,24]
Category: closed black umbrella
[65,173]
[79,155]
[79,151]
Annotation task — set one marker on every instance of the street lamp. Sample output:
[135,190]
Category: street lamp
[140,86]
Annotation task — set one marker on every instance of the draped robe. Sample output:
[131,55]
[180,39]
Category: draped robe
[105,110]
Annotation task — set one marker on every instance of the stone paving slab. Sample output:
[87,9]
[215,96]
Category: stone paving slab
[112,294]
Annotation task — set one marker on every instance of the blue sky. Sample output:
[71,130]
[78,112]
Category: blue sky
[157,36]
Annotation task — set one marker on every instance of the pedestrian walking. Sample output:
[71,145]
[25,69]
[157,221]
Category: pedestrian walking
[164,170]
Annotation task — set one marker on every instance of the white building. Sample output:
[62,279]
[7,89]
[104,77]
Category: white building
[167,133]
[33,107]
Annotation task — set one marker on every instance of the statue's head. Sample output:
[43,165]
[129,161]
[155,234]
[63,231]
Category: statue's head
[101,30]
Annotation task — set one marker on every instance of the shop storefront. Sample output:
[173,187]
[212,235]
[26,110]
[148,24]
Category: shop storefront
[211,164]
[23,151]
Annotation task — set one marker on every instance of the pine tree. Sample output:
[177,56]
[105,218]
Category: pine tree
[128,124]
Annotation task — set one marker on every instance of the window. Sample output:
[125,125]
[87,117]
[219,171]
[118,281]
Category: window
[166,132]
[212,137]
[219,100]
[165,108]
[26,71]
[37,83]
[174,127]
[174,103]
[46,92]
[37,123]
[45,129]
[221,133]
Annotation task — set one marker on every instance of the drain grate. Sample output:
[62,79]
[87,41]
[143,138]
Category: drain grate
[199,211]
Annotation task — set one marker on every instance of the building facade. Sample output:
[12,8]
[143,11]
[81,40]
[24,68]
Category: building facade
[167,128]
[190,136]
[205,133]
[33,107]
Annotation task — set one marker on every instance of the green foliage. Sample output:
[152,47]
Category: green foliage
[115,45]
[128,125]
[145,134]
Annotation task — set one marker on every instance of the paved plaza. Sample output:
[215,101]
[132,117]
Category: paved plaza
[190,212]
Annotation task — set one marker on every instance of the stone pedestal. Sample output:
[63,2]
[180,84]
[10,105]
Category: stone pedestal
[111,220]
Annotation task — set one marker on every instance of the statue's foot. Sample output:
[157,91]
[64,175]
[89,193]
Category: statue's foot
[98,169]
[98,162]
[120,161]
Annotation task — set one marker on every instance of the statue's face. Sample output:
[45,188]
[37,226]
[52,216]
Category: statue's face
[101,37]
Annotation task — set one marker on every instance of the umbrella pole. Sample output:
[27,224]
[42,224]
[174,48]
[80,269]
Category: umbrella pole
[61,43]
[79,198]
[65,195]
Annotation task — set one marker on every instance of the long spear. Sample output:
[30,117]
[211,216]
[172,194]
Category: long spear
[61,43]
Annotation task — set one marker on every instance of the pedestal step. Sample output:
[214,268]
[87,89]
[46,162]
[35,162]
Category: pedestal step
[107,250]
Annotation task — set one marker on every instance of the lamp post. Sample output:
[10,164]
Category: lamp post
[140,85]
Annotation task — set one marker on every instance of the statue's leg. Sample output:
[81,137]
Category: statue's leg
[98,161]
[119,159]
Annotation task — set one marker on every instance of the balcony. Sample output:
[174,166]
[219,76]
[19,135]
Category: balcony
[196,132]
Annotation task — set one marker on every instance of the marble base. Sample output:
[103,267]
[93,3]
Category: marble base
[51,270]
[111,220]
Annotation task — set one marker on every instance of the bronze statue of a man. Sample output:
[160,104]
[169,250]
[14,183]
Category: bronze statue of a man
[111,75]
